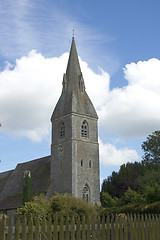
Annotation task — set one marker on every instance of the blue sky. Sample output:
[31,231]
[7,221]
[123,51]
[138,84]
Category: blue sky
[118,45]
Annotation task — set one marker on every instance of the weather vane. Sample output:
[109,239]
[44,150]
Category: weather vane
[73,33]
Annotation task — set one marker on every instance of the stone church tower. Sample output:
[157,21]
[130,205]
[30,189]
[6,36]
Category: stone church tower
[75,149]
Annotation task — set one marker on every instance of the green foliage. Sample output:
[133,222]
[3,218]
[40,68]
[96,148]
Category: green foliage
[118,183]
[107,200]
[149,178]
[27,194]
[131,197]
[153,193]
[65,205]
[151,148]
[68,205]
[38,208]
[153,208]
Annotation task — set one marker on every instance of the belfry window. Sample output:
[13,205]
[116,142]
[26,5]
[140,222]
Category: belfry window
[85,193]
[62,130]
[84,129]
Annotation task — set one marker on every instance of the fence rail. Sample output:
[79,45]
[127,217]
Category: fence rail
[123,227]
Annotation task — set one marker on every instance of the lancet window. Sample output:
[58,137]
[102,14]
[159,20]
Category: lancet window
[81,162]
[85,193]
[62,130]
[84,129]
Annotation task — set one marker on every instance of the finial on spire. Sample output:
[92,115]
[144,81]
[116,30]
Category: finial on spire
[73,33]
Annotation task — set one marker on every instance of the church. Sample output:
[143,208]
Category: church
[73,166]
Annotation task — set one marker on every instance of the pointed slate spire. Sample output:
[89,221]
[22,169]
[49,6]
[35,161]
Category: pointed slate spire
[74,98]
[73,72]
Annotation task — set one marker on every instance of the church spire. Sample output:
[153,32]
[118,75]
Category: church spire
[74,98]
[73,72]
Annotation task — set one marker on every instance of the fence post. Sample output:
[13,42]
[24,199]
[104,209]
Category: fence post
[17,229]
[131,227]
[88,227]
[24,227]
[98,228]
[125,228]
[121,227]
[73,229]
[30,227]
[61,228]
[135,227]
[147,237]
[55,227]
[142,228]
[67,235]
[150,227]
[78,231]
[157,227]
[10,227]
[153,227]
[83,228]
[43,229]
[108,227]
[37,229]
[2,228]
[49,228]
[93,231]
[116,228]
[103,228]
[112,228]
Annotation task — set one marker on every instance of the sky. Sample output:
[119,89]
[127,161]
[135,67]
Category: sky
[119,54]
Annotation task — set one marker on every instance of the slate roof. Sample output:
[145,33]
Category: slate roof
[74,98]
[11,182]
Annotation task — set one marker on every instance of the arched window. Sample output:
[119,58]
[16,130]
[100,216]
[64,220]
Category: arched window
[85,193]
[62,130]
[84,129]
[90,165]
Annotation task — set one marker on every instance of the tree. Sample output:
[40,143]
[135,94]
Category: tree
[131,197]
[151,148]
[153,193]
[107,200]
[118,183]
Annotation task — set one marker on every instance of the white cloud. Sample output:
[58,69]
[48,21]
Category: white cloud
[111,156]
[28,94]
[31,88]
[134,110]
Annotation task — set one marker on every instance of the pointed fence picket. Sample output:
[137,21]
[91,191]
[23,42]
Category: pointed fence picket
[119,227]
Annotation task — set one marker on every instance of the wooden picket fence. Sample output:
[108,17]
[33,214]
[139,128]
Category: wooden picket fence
[123,227]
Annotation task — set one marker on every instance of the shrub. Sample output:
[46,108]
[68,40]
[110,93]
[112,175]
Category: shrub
[68,205]
[153,208]
[38,208]
[65,205]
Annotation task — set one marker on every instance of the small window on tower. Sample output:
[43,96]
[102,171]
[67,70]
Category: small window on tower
[81,162]
[84,129]
[62,130]
[90,165]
